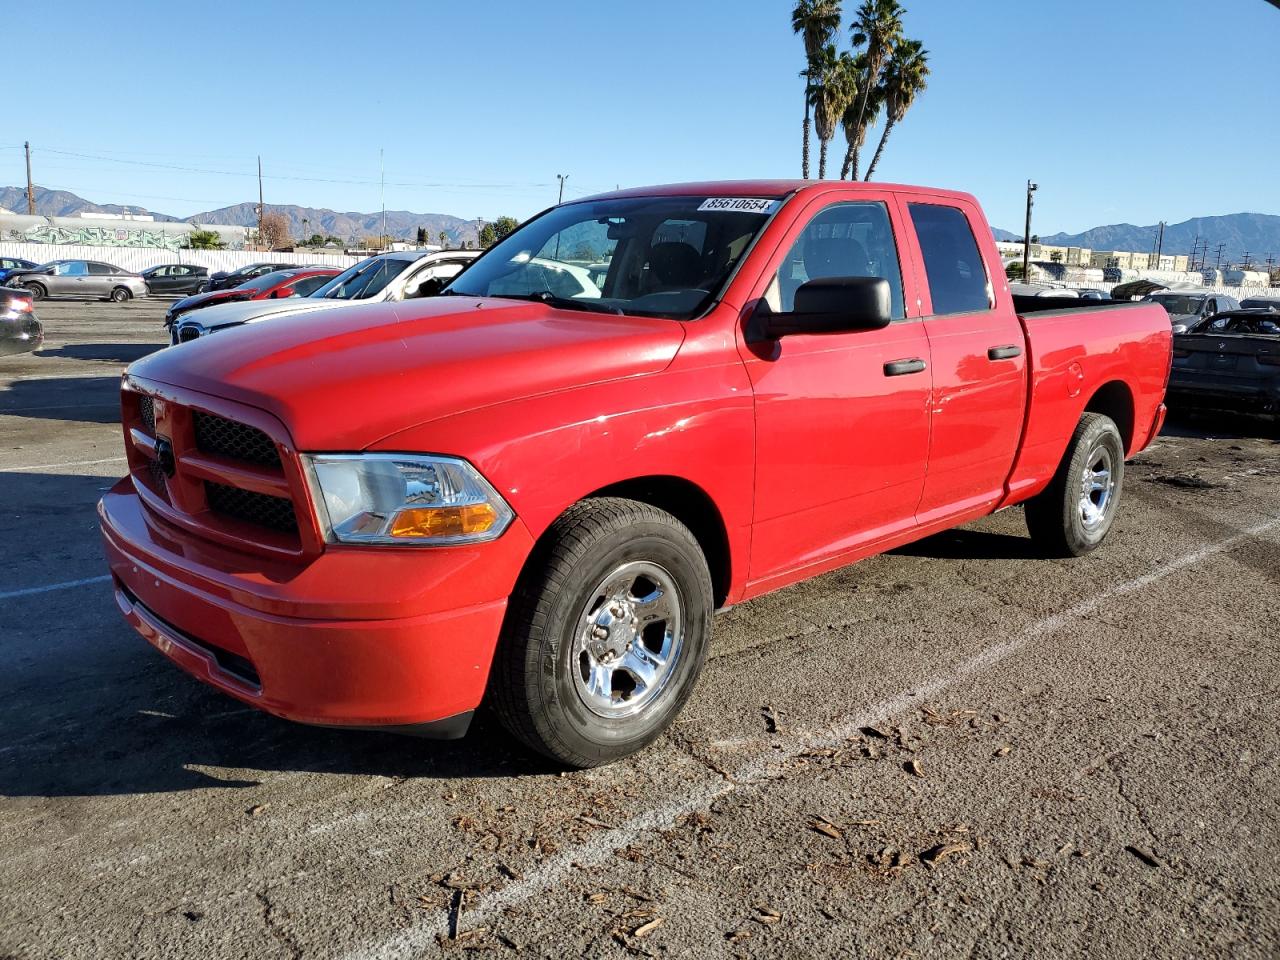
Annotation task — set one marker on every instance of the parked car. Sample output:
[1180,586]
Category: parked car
[1188,308]
[1230,361]
[388,276]
[11,265]
[169,279]
[80,278]
[1092,293]
[1261,303]
[379,516]
[226,279]
[20,331]
[278,285]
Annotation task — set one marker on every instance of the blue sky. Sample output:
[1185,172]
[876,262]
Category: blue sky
[1123,110]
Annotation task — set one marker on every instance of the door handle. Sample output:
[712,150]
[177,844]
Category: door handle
[1004,353]
[899,368]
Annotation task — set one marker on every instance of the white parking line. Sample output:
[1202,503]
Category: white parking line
[414,940]
[49,587]
[65,463]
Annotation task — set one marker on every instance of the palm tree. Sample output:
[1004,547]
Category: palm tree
[879,25]
[855,122]
[834,89]
[905,77]
[817,22]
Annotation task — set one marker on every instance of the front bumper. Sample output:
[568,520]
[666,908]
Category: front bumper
[388,638]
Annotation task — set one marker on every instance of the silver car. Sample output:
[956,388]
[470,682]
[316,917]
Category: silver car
[80,278]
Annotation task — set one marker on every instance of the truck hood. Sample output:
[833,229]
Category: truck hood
[244,311]
[343,379]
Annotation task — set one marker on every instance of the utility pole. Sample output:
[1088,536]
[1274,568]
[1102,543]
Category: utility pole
[562,177]
[260,209]
[1026,237]
[382,163]
[31,194]
[1247,262]
[1218,264]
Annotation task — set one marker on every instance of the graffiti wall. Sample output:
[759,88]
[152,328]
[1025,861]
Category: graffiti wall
[99,236]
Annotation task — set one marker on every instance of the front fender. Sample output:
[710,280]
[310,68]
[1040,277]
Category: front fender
[546,453]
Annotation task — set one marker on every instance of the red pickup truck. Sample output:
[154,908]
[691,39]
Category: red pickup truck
[534,492]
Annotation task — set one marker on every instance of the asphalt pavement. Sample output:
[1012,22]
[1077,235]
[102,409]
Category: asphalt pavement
[955,750]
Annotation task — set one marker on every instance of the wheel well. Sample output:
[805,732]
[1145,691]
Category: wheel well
[691,505]
[1114,400]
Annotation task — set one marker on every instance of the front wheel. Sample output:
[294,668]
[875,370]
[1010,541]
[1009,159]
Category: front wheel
[37,291]
[1075,512]
[120,295]
[606,633]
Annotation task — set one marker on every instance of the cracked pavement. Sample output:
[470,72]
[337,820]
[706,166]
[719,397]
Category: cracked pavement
[954,750]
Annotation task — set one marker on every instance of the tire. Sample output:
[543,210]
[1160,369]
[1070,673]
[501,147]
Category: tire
[1074,514]
[562,679]
[200,288]
[37,290]
[120,295]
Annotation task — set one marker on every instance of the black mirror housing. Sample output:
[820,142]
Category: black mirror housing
[832,305]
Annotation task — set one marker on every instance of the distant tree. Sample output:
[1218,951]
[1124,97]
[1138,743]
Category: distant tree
[492,232]
[878,24]
[1056,256]
[274,231]
[905,77]
[443,238]
[816,21]
[421,238]
[318,240]
[833,89]
[1013,271]
[204,240]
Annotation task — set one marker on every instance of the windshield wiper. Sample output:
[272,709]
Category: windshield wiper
[567,303]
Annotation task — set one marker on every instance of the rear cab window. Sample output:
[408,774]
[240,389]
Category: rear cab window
[954,269]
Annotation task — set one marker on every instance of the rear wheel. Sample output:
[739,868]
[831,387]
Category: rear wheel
[37,291]
[1075,512]
[606,634]
[121,294]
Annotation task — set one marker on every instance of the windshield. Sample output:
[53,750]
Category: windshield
[1180,305]
[649,256]
[365,279]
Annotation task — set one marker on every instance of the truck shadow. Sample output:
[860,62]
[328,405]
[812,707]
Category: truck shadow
[75,399]
[107,352]
[1221,425]
[967,544]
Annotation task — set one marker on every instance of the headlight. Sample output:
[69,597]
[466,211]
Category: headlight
[405,499]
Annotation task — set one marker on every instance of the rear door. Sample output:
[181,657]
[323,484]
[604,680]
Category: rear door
[842,427]
[102,277]
[978,355]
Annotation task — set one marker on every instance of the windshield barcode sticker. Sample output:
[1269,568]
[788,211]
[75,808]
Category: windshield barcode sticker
[741,204]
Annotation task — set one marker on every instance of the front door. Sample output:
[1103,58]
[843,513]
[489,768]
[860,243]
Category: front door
[979,363]
[842,428]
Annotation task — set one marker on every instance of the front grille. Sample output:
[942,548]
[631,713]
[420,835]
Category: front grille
[187,334]
[236,441]
[250,507]
[147,410]
[157,476]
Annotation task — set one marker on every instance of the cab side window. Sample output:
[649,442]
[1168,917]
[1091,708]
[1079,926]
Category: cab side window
[842,240]
[957,278]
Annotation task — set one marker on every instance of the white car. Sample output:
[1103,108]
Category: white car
[388,276]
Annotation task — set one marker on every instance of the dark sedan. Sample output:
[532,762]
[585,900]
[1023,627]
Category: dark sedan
[295,282]
[176,279]
[1228,362]
[224,280]
[20,331]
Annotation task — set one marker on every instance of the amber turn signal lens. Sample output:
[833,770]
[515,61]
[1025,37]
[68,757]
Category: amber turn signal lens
[427,522]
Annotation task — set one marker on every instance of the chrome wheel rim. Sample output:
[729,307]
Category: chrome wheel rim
[1097,488]
[628,641]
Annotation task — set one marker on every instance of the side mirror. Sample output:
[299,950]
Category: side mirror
[831,305]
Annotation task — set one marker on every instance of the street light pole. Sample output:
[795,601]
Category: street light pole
[1026,236]
[562,177]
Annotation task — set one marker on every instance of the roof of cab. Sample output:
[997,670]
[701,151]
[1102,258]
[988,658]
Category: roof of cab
[766,188]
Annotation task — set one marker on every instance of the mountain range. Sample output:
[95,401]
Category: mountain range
[1257,234]
[402,224]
